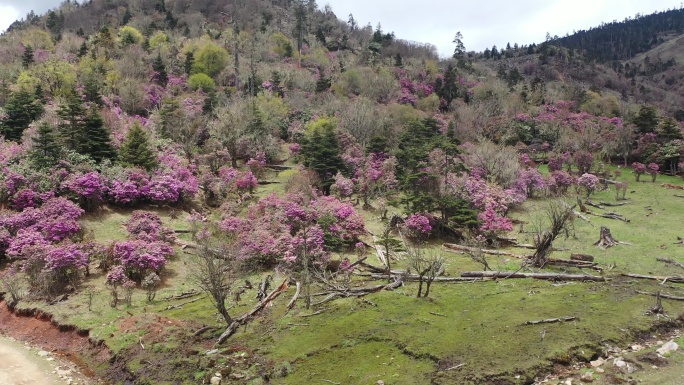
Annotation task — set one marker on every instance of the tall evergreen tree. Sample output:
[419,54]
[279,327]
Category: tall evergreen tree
[97,142]
[136,149]
[27,57]
[72,127]
[46,151]
[161,77]
[22,108]
[321,152]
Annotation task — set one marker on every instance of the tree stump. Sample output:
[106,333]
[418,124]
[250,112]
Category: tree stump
[607,239]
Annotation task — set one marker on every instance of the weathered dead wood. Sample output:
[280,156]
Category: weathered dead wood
[656,278]
[181,231]
[183,295]
[606,239]
[582,257]
[608,181]
[612,215]
[243,319]
[551,320]
[680,241]
[579,215]
[658,308]
[666,296]
[381,254]
[317,312]
[592,204]
[279,167]
[204,329]
[544,276]
[672,186]
[679,196]
[414,277]
[171,307]
[437,314]
[359,292]
[465,249]
[609,204]
[670,262]
[292,302]
[573,263]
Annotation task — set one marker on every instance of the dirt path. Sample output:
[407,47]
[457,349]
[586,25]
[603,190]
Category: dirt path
[21,365]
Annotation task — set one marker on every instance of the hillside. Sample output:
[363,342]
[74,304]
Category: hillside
[257,192]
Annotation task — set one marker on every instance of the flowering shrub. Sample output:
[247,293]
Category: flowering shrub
[138,257]
[493,223]
[639,169]
[147,226]
[589,182]
[653,169]
[559,182]
[418,225]
[343,186]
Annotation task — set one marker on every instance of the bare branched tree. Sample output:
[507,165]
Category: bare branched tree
[560,220]
[215,269]
[427,267]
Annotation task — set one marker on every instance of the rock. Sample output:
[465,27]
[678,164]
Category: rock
[599,370]
[630,369]
[43,353]
[636,347]
[213,351]
[667,348]
[380,382]
[597,363]
[620,363]
[587,377]
[215,380]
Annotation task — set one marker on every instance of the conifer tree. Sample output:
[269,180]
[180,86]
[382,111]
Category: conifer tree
[27,57]
[72,127]
[46,150]
[135,149]
[161,76]
[321,152]
[97,142]
[21,109]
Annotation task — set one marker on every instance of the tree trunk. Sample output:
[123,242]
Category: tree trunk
[427,288]
[420,286]
[606,239]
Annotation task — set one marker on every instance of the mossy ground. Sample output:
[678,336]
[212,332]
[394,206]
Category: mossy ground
[398,338]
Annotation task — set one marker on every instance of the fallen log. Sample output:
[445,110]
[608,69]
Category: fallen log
[592,204]
[359,292]
[582,257]
[656,278]
[292,302]
[609,204]
[579,215]
[466,249]
[572,263]
[671,262]
[243,319]
[550,320]
[672,186]
[613,216]
[673,297]
[414,277]
[544,276]
[279,167]
[381,254]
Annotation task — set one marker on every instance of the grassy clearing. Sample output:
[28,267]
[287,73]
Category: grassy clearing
[401,339]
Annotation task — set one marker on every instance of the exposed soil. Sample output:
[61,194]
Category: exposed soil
[65,342]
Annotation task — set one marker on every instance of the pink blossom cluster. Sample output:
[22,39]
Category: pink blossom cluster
[418,225]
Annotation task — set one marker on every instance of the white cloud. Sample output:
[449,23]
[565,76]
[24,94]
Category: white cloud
[7,16]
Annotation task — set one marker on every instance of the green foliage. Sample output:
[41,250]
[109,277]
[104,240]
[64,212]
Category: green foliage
[159,68]
[281,44]
[189,61]
[22,108]
[72,125]
[210,59]
[27,57]
[97,143]
[46,150]
[136,149]
[647,119]
[321,152]
[201,81]
[129,35]
[158,39]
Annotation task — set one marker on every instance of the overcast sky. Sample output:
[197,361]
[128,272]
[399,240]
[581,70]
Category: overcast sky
[483,23]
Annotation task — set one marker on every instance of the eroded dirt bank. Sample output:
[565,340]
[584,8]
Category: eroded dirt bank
[66,345]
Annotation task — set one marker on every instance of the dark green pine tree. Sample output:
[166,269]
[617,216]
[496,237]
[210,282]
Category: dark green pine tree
[46,151]
[22,108]
[72,127]
[126,17]
[83,50]
[670,130]
[647,120]
[323,83]
[27,57]
[161,77]
[398,61]
[136,150]
[321,153]
[98,144]
[189,61]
